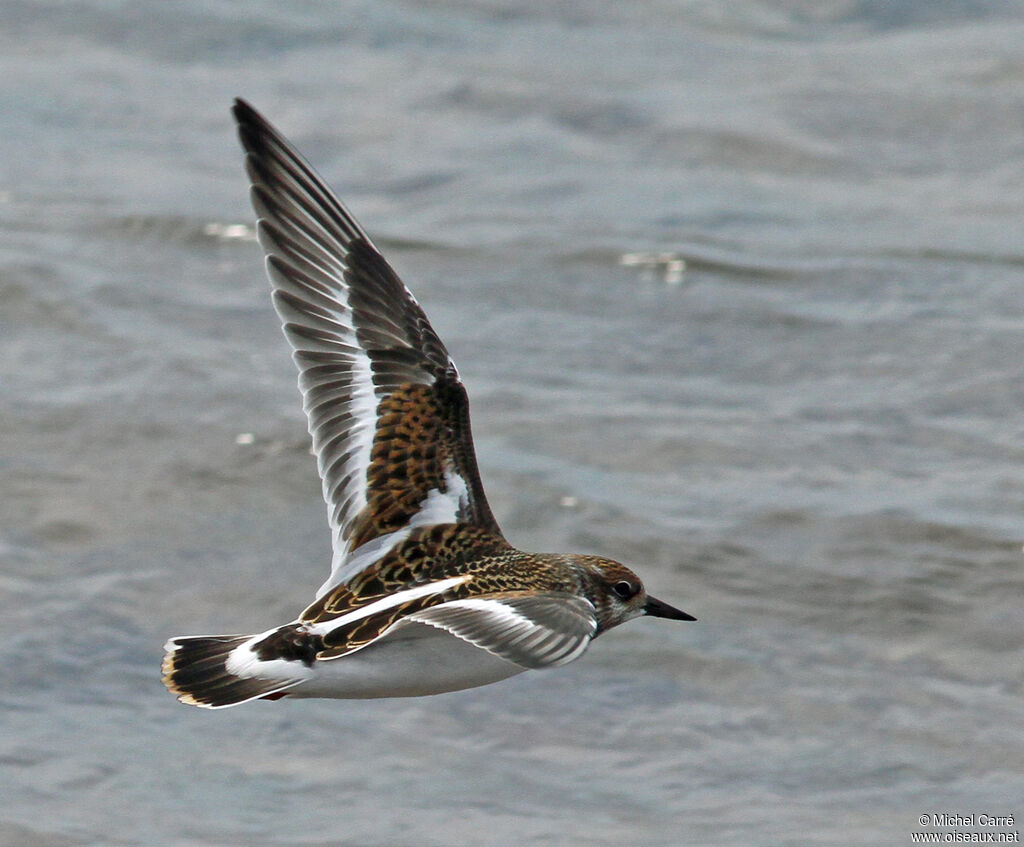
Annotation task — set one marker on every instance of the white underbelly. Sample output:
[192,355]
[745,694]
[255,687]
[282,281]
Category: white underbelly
[415,660]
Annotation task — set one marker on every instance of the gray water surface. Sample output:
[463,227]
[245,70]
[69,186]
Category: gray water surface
[813,439]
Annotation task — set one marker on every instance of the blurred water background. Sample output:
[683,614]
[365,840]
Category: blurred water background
[811,437]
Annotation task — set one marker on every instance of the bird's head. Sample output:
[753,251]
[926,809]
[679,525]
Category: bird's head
[619,595]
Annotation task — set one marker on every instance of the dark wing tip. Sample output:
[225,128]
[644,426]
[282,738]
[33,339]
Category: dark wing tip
[276,165]
[253,128]
[244,112]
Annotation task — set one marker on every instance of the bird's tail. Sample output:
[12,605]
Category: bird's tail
[215,671]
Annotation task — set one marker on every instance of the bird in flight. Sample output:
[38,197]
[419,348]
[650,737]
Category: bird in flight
[425,595]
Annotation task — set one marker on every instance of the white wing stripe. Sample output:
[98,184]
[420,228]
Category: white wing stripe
[389,602]
[443,507]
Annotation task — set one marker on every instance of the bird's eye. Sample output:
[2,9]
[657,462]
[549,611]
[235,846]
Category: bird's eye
[624,589]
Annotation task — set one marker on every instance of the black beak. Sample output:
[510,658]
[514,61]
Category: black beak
[657,609]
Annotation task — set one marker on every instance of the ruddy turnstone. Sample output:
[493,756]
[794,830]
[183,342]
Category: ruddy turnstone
[425,594]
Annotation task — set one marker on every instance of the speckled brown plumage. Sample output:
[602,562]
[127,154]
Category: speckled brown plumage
[428,554]
[421,432]
[433,553]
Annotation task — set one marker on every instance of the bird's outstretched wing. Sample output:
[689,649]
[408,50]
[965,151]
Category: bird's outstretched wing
[531,630]
[387,411]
